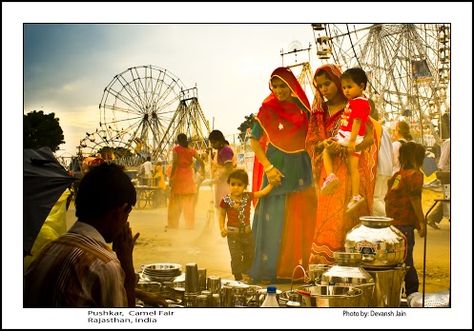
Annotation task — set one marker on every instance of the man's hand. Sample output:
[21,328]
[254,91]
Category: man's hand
[124,242]
[123,247]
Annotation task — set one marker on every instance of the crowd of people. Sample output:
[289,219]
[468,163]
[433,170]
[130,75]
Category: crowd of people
[317,169]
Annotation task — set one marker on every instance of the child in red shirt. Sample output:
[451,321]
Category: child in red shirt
[236,206]
[403,204]
[351,132]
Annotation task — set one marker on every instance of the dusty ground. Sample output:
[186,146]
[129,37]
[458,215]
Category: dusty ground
[204,246]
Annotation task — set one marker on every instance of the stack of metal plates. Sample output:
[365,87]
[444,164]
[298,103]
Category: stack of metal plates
[160,271]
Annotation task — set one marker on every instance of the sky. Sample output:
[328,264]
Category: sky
[65,68]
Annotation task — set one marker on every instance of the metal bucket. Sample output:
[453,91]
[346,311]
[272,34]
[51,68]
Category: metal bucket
[335,296]
[348,272]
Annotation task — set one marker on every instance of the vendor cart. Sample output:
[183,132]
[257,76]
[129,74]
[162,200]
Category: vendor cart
[150,197]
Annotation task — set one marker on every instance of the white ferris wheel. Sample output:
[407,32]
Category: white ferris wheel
[408,66]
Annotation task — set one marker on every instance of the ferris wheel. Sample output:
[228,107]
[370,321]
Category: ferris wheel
[408,66]
[300,67]
[103,141]
[138,108]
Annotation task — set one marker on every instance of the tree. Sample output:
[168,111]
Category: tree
[41,130]
[244,126]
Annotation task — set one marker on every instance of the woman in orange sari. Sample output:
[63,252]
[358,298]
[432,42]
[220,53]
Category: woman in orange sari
[283,223]
[332,222]
[183,187]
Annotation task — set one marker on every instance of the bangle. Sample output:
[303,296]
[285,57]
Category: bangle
[268,168]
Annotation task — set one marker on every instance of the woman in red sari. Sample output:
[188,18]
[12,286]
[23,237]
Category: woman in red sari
[183,187]
[283,223]
[332,222]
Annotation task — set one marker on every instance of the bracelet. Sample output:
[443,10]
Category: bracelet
[268,168]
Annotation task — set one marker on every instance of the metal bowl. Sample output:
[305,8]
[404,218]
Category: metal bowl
[334,296]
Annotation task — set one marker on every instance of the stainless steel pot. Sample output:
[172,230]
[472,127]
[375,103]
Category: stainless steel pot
[236,293]
[348,272]
[333,296]
[380,244]
[315,271]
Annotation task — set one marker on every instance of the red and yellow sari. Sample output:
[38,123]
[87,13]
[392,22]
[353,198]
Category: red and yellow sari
[332,222]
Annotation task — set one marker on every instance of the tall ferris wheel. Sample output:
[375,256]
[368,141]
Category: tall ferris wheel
[143,109]
[408,66]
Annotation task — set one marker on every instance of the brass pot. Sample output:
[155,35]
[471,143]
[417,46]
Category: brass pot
[380,244]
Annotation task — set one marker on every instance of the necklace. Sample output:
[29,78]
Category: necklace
[235,204]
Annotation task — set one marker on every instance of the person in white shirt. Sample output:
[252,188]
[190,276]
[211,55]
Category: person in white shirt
[146,171]
[444,163]
[401,134]
[384,172]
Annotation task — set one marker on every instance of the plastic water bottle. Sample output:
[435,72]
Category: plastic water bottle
[271,298]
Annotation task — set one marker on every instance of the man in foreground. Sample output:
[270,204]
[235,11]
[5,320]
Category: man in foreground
[80,269]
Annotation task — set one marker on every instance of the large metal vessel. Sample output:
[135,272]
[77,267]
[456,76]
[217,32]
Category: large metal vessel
[348,272]
[380,244]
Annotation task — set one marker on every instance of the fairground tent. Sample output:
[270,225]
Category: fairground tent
[44,181]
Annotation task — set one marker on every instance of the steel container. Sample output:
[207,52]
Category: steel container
[380,244]
[214,284]
[191,283]
[315,271]
[437,299]
[333,295]
[348,272]
[388,286]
